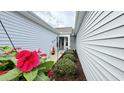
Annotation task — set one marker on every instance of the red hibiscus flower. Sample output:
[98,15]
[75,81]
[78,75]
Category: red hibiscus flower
[50,73]
[27,60]
[3,72]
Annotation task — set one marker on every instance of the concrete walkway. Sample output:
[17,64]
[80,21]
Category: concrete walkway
[55,56]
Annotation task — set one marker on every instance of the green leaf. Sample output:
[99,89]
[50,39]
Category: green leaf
[10,75]
[4,58]
[15,79]
[13,53]
[29,76]
[42,77]
[13,59]
[3,65]
[6,49]
[42,68]
[48,65]
[6,65]
[42,60]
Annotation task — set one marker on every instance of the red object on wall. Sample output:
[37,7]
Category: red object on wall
[53,51]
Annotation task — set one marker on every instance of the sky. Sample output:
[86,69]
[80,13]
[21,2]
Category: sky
[58,18]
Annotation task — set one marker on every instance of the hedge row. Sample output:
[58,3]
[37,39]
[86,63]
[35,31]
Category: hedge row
[65,68]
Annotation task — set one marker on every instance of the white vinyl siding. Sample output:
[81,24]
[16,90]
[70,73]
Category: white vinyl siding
[25,33]
[100,45]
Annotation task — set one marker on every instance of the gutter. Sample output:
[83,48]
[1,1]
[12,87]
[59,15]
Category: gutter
[78,20]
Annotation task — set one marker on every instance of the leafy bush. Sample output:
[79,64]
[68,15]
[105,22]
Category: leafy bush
[69,56]
[48,65]
[64,68]
[69,51]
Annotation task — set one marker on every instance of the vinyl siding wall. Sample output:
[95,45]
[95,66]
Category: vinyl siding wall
[25,33]
[100,45]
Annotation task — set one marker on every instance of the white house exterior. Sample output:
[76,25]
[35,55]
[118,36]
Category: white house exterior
[27,31]
[100,44]
[64,39]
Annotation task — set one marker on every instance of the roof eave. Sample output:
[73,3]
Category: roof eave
[30,15]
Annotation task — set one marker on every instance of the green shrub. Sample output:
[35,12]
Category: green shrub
[69,56]
[64,68]
[69,52]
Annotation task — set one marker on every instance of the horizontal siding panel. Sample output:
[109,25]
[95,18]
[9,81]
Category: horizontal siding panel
[97,21]
[112,33]
[25,33]
[114,42]
[114,72]
[115,22]
[100,45]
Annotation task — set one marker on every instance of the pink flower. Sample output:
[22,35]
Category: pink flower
[43,54]
[38,50]
[40,53]
[27,60]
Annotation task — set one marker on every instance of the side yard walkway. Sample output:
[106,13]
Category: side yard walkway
[56,55]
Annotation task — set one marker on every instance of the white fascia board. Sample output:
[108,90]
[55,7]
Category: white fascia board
[63,35]
[78,20]
[30,15]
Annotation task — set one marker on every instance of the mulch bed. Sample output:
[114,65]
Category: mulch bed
[79,76]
